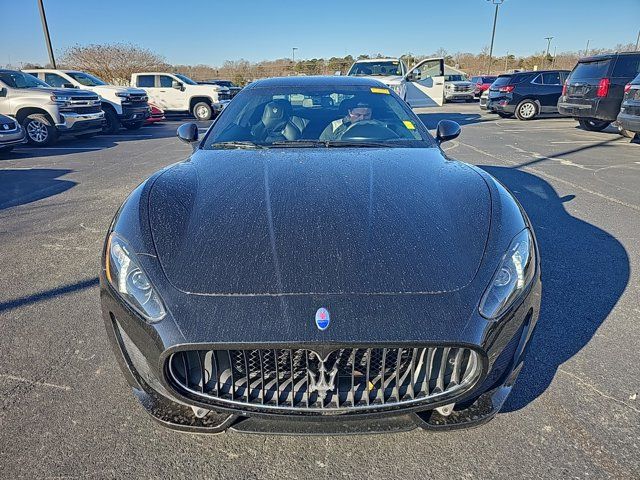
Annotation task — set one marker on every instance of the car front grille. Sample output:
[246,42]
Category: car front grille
[82,109]
[462,88]
[345,379]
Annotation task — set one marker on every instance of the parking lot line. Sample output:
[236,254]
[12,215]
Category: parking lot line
[37,149]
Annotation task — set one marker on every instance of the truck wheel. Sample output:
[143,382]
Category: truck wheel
[526,110]
[202,111]
[134,126]
[40,130]
[112,124]
[593,125]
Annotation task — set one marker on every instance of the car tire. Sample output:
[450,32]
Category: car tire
[40,130]
[134,126]
[527,110]
[202,111]
[504,114]
[112,123]
[593,125]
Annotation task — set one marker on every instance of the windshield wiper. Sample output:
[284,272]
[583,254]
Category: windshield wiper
[327,144]
[237,144]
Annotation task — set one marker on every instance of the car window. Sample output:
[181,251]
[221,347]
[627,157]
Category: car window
[502,80]
[54,80]
[591,70]
[185,79]
[15,79]
[165,81]
[428,69]
[488,79]
[627,66]
[289,115]
[145,81]
[551,78]
[391,67]
[537,80]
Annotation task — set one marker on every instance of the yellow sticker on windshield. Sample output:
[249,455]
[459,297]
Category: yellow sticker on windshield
[409,125]
[379,90]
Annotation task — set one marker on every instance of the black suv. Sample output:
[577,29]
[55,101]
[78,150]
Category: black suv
[526,94]
[629,116]
[593,92]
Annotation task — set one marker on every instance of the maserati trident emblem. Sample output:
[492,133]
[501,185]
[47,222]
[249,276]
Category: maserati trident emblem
[322,318]
[324,381]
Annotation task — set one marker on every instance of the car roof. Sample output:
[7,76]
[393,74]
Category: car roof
[527,72]
[373,60]
[606,56]
[328,81]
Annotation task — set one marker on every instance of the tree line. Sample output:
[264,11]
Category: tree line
[115,63]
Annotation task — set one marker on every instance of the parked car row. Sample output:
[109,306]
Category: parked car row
[41,105]
[599,91]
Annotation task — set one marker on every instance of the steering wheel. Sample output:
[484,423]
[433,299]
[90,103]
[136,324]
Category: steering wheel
[368,130]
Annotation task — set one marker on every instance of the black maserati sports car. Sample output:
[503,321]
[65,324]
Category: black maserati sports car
[319,265]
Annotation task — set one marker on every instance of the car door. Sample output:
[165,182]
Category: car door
[148,83]
[552,85]
[174,98]
[425,83]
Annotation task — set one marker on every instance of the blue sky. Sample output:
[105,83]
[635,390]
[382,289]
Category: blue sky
[209,32]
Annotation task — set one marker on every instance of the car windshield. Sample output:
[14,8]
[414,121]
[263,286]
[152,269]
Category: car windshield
[488,79]
[390,67]
[501,80]
[455,78]
[591,70]
[86,79]
[186,80]
[316,116]
[16,79]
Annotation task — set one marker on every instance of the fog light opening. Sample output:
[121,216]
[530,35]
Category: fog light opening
[445,410]
[200,412]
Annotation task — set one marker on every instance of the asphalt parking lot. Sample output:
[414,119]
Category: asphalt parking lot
[575,411]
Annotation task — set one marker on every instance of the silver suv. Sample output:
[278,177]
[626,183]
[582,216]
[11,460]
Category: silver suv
[45,112]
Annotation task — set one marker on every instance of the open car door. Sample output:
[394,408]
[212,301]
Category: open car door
[425,83]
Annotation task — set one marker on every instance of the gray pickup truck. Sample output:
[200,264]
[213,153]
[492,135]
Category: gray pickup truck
[46,113]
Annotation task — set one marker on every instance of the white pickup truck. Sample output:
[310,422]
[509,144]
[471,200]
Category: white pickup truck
[173,92]
[422,86]
[122,106]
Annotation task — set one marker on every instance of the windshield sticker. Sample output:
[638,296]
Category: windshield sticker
[409,125]
[379,90]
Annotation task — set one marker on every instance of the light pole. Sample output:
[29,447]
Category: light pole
[546,55]
[638,41]
[586,50]
[497,3]
[47,38]
[293,54]
[506,62]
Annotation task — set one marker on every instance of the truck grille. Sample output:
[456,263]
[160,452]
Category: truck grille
[224,96]
[82,109]
[303,380]
[462,88]
[136,99]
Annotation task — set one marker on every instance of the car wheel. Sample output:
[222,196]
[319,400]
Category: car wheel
[112,124]
[504,114]
[202,111]
[526,110]
[40,130]
[593,125]
[134,126]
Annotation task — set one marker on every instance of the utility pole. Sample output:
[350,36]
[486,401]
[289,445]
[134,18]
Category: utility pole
[47,38]
[497,3]
[293,54]
[546,55]
[553,61]
[586,50]
[638,42]
[506,61]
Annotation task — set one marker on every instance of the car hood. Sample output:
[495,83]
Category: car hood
[116,88]
[76,92]
[319,221]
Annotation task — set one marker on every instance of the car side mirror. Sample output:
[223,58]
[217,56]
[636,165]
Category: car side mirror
[447,130]
[3,92]
[68,85]
[413,76]
[188,132]
[177,85]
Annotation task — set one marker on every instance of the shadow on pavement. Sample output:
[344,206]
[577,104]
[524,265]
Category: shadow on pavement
[54,292]
[20,186]
[584,272]
[431,119]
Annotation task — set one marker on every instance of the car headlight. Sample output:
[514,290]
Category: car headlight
[122,94]
[125,274]
[514,274]
[61,99]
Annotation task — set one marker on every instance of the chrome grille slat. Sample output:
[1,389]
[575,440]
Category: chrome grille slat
[344,379]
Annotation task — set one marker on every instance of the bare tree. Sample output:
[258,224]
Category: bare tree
[113,63]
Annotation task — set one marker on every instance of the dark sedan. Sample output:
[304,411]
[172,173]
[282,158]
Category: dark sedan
[319,265]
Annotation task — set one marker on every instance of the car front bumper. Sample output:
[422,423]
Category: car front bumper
[140,349]
[629,122]
[134,114]
[73,123]
[452,95]
[13,138]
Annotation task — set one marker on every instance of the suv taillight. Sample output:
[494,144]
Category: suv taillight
[603,87]
[564,88]
[627,88]
[507,88]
